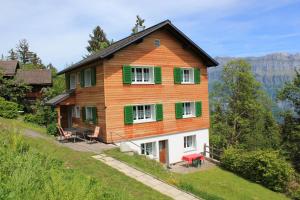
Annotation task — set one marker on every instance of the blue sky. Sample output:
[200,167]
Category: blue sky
[58,30]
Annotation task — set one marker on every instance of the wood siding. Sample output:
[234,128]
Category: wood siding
[170,54]
[89,96]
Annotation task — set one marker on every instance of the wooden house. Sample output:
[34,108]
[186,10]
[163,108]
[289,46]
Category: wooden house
[148,91]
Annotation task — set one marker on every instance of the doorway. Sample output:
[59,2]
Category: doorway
[163,145]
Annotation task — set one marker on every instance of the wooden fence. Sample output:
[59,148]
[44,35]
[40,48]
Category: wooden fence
[212,152]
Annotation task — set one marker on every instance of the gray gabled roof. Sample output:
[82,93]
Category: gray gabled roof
[208,60]
[9,67]
[59,98]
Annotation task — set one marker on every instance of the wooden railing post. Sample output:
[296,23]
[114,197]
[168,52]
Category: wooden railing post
[212,152]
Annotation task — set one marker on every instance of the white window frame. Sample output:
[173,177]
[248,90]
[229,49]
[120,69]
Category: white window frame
[189,145]
[89,113]
[192,109]
[134,75]
[73,81]
[87,79]
[144,119]
[148,145]
[191,74]
[77,111]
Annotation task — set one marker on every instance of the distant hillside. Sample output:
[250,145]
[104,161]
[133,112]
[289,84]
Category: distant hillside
[272,70]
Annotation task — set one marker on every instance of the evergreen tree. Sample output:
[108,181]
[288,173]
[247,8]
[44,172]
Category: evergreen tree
[240,113]
[138,23]
[23,51]
[98,41]
[12,55]
[290,132]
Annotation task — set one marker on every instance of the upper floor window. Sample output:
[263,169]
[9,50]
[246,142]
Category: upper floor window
[142,75]
[188,75]
[72,81]
[87,78]
[189,143]
[188,109]
[143,113]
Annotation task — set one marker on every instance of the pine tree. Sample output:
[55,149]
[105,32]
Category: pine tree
[240,112]
[12,55]
[23,51]
[290,132]
[98,41]
[138,23]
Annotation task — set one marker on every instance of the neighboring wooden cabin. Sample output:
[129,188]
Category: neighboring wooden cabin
[150,88]
[36,78]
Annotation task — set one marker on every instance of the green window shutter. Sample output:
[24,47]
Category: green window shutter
[178,110]
[83,114]
[197,75]
[67,77]
[126,74]
[157,75]
[93,74]
[177,75]
[159,112]
[82,78]
[94,112]
[198,108]
[128,115]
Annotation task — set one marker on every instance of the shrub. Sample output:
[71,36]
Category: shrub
[8,109]
[52,129]
[34,118]
[265,167]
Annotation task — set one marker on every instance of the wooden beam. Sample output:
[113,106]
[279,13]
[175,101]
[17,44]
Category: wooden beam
[58,115]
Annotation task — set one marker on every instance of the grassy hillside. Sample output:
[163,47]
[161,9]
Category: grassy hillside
[39,168]
[212,184]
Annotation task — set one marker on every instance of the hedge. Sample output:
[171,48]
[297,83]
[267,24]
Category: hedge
[8,109]
[268,168]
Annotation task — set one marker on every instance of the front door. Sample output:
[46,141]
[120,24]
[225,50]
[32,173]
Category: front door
[163,151]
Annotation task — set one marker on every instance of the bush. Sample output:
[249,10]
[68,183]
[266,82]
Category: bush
[52,129]
[265,167]
[8,109]
[34,118]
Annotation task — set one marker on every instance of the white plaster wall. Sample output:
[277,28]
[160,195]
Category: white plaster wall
[175,144]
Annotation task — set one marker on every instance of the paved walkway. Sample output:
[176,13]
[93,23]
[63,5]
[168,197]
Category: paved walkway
[146,179]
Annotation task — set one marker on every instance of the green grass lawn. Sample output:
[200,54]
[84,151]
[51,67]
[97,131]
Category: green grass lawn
[214,183]
[108,177]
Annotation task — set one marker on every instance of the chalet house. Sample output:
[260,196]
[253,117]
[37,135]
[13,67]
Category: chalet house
[36,78]
[148,91]
[9,68]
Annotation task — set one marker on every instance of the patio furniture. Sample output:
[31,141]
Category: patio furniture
[194,159]
[95,136]
[66,134]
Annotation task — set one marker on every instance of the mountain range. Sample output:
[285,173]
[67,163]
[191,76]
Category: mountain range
[272,70]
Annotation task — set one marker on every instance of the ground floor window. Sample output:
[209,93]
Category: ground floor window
[148,149]
[190,142]
[89,113]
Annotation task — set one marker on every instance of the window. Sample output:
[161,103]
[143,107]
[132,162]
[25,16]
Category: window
[157,42]
[87,78]
[148,149]
[77,111]
[78,77]
[140,75]
[73,111]
[188,75]
[188,109]
[89,113]
[72,81]
[143,113]
[189,142]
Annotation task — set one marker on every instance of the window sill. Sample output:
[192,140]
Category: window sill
[143,121]
[188,116]
[142,83]
[187,150]
[187,83]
